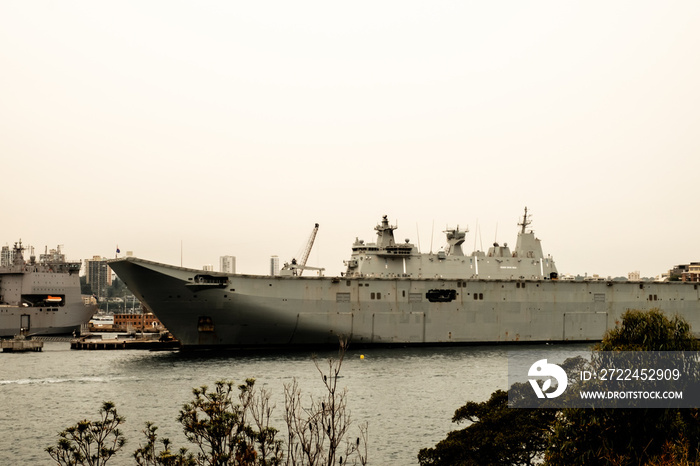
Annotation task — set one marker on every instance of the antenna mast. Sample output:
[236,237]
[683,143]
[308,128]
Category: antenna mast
[418,236]
[525,223]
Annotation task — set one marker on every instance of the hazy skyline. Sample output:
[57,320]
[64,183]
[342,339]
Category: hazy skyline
[231,128]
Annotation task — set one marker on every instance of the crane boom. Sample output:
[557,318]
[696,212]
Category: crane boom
[307,250]
[296,268]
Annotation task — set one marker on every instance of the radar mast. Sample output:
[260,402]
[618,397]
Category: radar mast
[525,223]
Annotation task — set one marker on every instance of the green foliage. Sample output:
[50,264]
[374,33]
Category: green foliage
[497,435]
[221,431]
[617,436]
[595,436]
[90,443]
[148,455]
[117,289]
[649,331]
[85,287]
[631,436]
[659,437]
[230,425]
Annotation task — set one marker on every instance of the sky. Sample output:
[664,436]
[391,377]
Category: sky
[184,131]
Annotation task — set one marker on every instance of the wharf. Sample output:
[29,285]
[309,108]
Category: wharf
[21,344]
[113,344]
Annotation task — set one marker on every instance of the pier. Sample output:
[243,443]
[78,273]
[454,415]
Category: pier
[116,344]
[20,344]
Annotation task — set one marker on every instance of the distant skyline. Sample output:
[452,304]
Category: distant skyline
[231,128]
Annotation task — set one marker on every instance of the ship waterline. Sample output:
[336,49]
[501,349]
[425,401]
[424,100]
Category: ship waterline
[392,294]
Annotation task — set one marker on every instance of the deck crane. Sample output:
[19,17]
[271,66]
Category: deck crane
[307,250]
[295,268]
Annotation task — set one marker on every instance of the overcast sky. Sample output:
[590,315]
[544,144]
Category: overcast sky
[230,128]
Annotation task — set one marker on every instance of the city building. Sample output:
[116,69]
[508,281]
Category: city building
[685,272]
[274,266]
[53,255]
[134,321]
[692,274]
[208,268]
[677,271]
[227,264]
[7,256]
[98,275]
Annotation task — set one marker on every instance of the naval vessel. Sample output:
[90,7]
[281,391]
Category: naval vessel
[391,293]
[40,297]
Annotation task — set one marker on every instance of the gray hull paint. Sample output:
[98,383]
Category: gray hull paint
[250,311]
[42,298]
[62,321]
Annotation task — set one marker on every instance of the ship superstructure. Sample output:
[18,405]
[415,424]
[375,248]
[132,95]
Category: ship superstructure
[40,297]
[391,293]
[388,259]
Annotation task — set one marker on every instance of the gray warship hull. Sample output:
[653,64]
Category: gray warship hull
[41,298]
[46,320]
[42,322]
[205,309]
[391,293]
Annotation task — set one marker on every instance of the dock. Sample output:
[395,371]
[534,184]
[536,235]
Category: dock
[20,344]
[114,344]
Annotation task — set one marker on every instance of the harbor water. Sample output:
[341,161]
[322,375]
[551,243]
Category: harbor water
[406,395]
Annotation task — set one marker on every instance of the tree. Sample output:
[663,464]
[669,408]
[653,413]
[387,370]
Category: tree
[632,436]
[230,425]
[85,287]
[117,289]
[147,455]
[498,435]
[220,429]
[316,433]
[90,443]
[649,331]
[577,436]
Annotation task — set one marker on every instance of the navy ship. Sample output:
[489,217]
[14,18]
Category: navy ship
[391,293]
[40,297]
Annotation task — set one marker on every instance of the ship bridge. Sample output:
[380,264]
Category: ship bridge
[388,259]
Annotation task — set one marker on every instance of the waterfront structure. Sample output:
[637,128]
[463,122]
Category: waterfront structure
[6,256]
[101,322]
[692,274]
[684,272]
[136,321]
[274,266]
[41,298]
[227,264]
[19,344]
[98,275]
[391,293]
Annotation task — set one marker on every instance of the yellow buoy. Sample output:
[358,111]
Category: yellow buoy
[362,356]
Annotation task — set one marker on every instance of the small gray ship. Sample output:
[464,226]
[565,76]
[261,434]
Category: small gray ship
[391,293]
[40,297]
